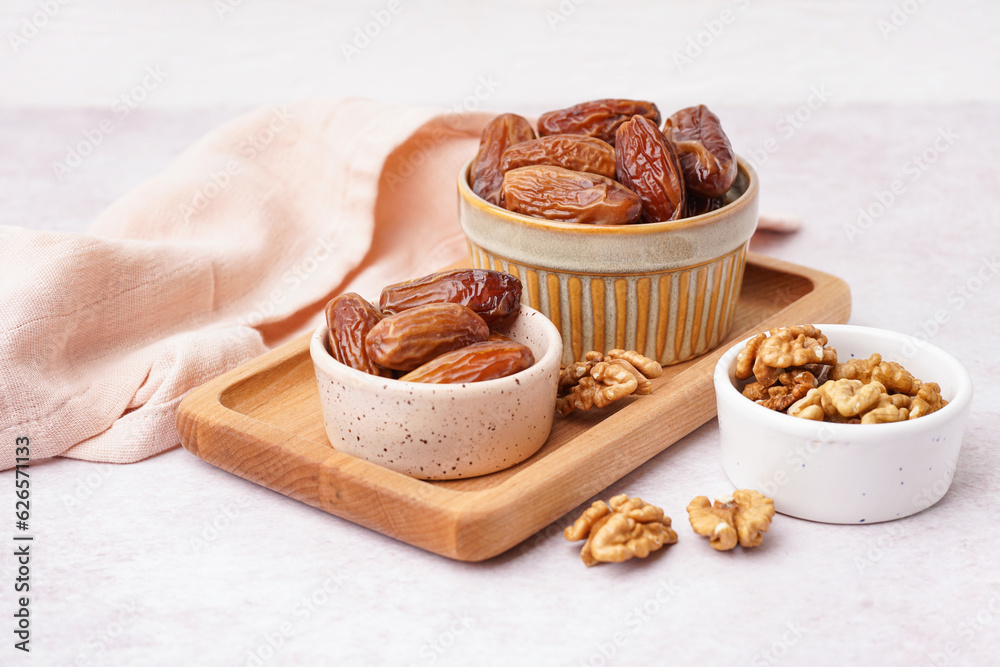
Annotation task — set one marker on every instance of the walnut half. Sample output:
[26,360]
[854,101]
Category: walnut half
[622,529]
[741,518]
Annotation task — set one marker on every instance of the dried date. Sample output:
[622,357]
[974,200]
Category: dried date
[646,163]
[560,194]
[597,118]
[493,295]
[501,133]
[704,151]
[349,318]
[570,151]
[413,337]
[474,363]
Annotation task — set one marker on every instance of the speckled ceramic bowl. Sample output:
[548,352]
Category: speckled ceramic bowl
[667,289]
[847,473]
[443,431]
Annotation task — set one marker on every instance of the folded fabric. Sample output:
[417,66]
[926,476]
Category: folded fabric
[231,250]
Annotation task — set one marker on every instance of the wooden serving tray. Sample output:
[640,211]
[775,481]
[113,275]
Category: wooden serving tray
[262,421]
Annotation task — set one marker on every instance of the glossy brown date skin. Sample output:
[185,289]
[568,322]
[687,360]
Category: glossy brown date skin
[704,151]
[597,118]
[559,194]
[649,167]
[413,337]
[474,363]
[350,318]
[569,151]
[504,131]
[494,296]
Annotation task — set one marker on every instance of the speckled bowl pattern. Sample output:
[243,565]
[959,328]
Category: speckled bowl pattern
[667,289]
[443,431]
[848,473]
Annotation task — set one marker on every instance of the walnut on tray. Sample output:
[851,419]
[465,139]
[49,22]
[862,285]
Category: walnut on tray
[620,529]
[600,379]
[790,366]
[740,518]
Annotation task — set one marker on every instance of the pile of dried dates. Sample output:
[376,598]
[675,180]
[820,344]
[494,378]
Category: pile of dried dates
[435,329]
[606,162]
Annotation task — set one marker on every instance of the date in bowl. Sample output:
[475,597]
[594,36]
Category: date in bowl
[847,473]
[443,431]
[666,289]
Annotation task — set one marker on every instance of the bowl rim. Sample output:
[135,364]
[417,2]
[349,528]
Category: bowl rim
[535,373]
[806,428]
[743,201]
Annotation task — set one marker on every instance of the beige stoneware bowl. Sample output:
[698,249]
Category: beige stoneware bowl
[443,431]
[666,289]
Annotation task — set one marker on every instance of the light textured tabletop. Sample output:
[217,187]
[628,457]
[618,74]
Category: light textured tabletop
[173,562]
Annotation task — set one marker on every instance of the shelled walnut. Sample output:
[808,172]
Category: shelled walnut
[620,529]
[790,366]
[600,380]
[740,518]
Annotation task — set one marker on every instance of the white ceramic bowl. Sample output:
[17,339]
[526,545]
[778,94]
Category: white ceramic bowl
[847,473]
[443,431]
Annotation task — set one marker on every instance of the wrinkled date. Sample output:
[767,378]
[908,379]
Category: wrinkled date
[501,133]
[493,295]
[704,151]
[570,151]
[350,318]
[559,194]
[597,118]
[648,166]
[474,363]
[413,337]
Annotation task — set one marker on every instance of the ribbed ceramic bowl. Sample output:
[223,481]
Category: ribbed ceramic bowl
[443,431]
[847,473]
[666,289]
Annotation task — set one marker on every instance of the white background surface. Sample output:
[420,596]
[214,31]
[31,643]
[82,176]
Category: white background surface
[171,561]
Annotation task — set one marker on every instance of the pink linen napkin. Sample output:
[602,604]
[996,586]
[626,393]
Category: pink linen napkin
[234,248]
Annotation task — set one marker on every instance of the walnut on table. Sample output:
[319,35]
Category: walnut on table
[600,379]
[619,530]
[741,518]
